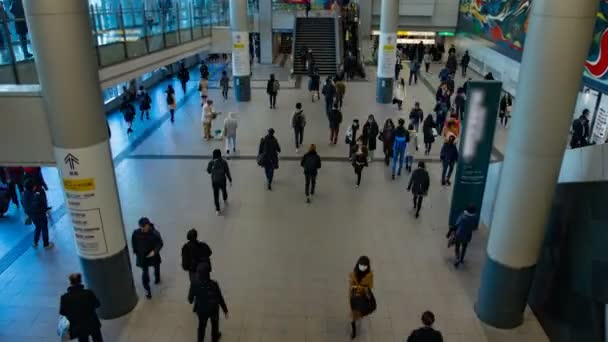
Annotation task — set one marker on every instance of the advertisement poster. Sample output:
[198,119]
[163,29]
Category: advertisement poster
[601,122]
[387,57]
[92,200]
[240,53]
[475,150]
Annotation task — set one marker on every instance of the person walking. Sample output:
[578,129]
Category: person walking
[272,89]
[351,137]
[464,63]
[419,186]
[207,298]
[426,333]
[225,85]
[128,112]
[171,103]
[329,92]
[428,59]
[452,63]
[79,306]
[369,133]
[416,116]
[314,84]
[335,119]
[298,122]
[204,70]
[401,138]
[462,232]
[506,104]
[448,156]
[580,130]
[230,126]
[459,102]
[387,138]
[414,71]
[184,76]
[362,301]
[208,115]
[398,68]
[360,160]
[194,253]
[35,206]
[411,147]
[429,132]
[146,243]
[268,156]
[340,91]
[35,174]
[219,171]
[399,94]
[145,103]
[311,163]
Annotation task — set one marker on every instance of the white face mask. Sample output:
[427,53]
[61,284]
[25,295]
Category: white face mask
[362,268]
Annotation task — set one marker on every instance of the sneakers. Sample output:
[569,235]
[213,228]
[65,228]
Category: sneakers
[218,212]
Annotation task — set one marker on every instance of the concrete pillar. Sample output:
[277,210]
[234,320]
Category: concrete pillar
[266,39]
[241,69]
[67,68]
[387,49]
[365,19]
[557,43]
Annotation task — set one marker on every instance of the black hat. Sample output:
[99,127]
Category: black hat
[144,221]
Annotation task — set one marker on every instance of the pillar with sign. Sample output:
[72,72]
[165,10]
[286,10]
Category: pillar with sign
[387,50]
[534,152]
[76,116]
[241,67]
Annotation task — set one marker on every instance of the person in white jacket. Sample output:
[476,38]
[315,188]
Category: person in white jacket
[230,126]
[399,93]
[207,117]
[412,147]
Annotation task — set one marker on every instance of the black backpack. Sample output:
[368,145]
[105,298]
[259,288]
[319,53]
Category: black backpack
[218,171]
[298,119]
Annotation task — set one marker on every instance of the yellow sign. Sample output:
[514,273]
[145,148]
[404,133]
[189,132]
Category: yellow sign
[389,47]
[239,45]
[86,184]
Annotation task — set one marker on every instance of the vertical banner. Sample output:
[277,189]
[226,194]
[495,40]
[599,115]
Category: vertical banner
[481,110]
[387,57]
[240,53]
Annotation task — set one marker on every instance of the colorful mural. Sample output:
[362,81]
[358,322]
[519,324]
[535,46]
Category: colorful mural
[502,22]
[596,66]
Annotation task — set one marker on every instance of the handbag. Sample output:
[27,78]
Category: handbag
[261,158]
[435,133]
[364,304]
[63,328]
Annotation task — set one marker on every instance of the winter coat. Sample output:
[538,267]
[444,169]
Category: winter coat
[183,75]
[224,82]
[207,297]
[387,136]
[340,88]
[425,334]
[359,288]
[270,149]
[370,133]
[465,60]
[194,253]
[359,160]
[416,116]
[79,306]
[412,144]
[270,87]
[143,243]
[230,126]
[466,223]
[34,203]
[505,102]
[427,130]
[329,91]
[419,182]
[335,118]
[351,134]
[449,153]
[219,171]
[298,119]
[145,101]
[311,162]
[399,92]
[452,63]
[315,83]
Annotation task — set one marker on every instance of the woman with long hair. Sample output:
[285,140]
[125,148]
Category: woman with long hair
[387,136]
[361,281]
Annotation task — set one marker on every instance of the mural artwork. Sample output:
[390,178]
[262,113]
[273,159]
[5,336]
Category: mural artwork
[596,66]
[502,22]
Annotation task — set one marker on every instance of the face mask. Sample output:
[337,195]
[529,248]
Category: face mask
[362,268]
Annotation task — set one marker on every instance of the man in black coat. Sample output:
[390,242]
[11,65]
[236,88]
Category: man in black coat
[194,253]
[268,155]
[146,244]
[35,206]
[426,333]
[419,186]
[219,171]
[78,305]
[448,156]
[207,297]
[311,162]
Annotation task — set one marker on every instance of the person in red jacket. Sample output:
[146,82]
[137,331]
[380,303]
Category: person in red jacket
[14,178]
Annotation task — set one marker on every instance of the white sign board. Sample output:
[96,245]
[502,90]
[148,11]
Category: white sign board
[601,122]
[387,57]
[240,53]
[92,200]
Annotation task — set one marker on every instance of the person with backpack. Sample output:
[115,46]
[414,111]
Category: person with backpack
[580,130]
[351,137]
[225,85]
[449,157]
[329,92]
[230,126]
[268,156]
[35,206]
[426,333]
[298,122]
[171,103]
[272,89]
[219,171]
[311,163]
[146,244]
[194,253]
[461,233]
[335,119]
[419,186]
[401,138]
[145,103]
[207,298]
[362,301]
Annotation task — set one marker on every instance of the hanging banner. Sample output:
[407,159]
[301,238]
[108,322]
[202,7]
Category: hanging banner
[601,122]
[240,53]
[475,150]
[387,56]
[92,199]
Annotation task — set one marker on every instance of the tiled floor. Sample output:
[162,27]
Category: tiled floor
[282,264]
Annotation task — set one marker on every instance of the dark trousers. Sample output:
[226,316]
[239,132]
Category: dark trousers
[12,189]
[388,154]
[145,275]
[299,135]
[427,66]
[215,326]
[183,86]
[146,113]
[269,170]
[42,226]
[333,135]
[446,173]
[427,147]
[358,172]
[311,183]
[172,111]
[461,250]
[464,70]
[504,120]
[415,76]
[273,100]
[339,100]
[225,93]
[418,203]
[95,335]
[329,103]
[216,194]
[460,111]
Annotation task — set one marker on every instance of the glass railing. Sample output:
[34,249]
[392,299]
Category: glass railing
[119,34]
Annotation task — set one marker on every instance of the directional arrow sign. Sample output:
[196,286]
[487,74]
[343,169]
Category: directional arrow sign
[70,160]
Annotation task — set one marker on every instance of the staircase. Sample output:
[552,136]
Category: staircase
[318,34]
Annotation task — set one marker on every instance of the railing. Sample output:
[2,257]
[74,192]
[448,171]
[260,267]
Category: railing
[119,34]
